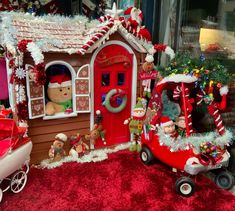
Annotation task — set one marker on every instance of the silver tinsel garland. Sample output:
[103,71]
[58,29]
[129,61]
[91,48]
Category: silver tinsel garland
[195,140]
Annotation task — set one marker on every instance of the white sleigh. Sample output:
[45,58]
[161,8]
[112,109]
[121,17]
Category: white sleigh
[15,152]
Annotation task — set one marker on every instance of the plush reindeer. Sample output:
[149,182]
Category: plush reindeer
[96,132]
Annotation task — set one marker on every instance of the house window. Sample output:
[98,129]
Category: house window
[59,92]
[105,79]
[120,79]
[64,94]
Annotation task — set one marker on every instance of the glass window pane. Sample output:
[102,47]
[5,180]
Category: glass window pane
[105,79]
[121,79]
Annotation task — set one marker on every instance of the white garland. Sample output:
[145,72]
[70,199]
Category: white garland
[93,156]
[7,35]
[35,52]
[194,140]
[20,93]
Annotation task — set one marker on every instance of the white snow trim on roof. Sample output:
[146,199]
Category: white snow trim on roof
[178,78]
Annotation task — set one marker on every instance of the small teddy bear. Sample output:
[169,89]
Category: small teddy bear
[147,74]
[59,92]
[79,147]
[57,152]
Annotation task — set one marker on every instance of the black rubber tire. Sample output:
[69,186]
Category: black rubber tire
[185,186]
[146,156]
[224,180]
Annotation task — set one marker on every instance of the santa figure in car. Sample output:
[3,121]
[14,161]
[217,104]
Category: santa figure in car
[168,127]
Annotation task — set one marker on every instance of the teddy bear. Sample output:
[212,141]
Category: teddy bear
[59,92]
[136,123]
[147,74]
[57,152]
[79,147]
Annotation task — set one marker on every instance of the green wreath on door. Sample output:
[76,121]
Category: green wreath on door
[108,97]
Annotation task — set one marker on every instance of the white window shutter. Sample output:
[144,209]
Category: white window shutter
[36,96]
[82,90]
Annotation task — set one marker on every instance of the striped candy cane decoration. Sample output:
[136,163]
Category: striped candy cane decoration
[214,112]
[177,93]
[128,27]
[99,34]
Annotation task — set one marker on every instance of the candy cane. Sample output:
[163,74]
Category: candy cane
[99,34]
[214,112]
[177,93]
[128,27]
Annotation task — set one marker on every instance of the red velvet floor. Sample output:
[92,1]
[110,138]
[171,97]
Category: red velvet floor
[120,183]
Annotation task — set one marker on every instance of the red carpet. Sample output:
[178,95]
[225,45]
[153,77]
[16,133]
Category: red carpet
[120,183]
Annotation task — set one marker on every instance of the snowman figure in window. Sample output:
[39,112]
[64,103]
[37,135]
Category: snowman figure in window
[59,94]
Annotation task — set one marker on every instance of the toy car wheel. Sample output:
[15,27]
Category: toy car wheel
[18,181]
[224,180]
[146,156]
[184,186]
[1,194]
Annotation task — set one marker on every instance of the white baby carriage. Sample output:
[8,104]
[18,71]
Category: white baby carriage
[15,151]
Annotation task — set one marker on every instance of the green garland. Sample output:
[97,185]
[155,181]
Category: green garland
[205,69]
[195,140]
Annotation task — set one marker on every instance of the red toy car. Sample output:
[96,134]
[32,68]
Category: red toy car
[187,154]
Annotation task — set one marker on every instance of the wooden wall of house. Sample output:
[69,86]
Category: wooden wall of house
[42,132]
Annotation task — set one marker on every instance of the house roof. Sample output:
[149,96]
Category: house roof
[63,34]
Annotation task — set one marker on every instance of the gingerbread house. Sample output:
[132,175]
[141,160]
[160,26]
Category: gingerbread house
[100,55]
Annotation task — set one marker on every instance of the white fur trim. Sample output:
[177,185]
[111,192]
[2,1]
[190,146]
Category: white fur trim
[61,137]
[149,58]
[57,85]
[166,123]
[98,112]
[169,51]
[178,78]
[223,90]
[152,50]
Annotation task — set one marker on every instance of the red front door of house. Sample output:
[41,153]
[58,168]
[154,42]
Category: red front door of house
[113,70]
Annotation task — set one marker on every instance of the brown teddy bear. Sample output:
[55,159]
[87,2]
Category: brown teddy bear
[57,152]
[79,147]
[59,92]
[147,74]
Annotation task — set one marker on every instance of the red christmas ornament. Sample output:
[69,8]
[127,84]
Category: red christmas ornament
[22,45]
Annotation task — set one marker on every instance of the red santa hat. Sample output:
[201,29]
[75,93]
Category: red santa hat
[136,14]
[57,81]
[165,121]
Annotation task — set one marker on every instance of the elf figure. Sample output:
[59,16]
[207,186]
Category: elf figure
[136,124]
[181,126]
